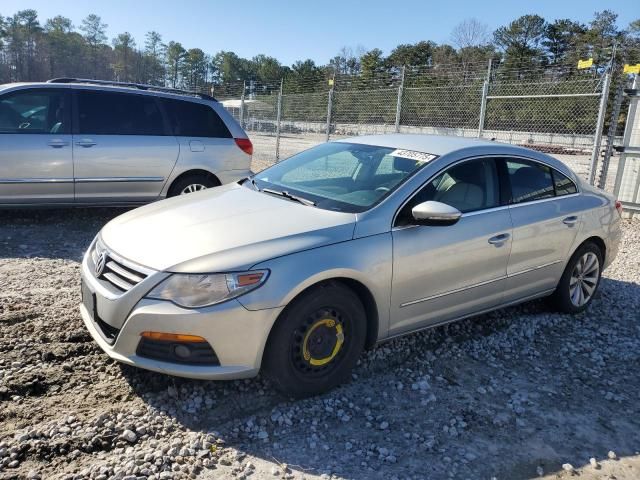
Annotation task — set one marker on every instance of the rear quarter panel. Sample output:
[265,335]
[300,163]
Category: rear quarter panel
[600,219]
[219,156]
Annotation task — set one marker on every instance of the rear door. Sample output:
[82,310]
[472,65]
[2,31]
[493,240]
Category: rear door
[123,148]
[546,213]
[35,147]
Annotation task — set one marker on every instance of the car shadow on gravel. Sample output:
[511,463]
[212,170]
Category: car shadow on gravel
[512,393]
[51,233]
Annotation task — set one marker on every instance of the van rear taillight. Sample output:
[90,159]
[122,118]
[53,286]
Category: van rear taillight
[245,145]
[619,207]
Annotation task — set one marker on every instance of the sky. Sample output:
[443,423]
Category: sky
[293,30]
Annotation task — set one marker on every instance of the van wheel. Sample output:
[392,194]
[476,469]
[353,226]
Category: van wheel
[192,183]
[580,280]
[316,341]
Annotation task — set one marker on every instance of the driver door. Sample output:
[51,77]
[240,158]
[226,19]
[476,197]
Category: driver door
[36,161]
[444,272]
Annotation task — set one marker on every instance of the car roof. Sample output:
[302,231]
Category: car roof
[109,88]
[434,144]
[441,145]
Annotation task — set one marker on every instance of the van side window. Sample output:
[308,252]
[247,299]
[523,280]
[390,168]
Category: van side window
[107,113]
[34,111]
[190,119]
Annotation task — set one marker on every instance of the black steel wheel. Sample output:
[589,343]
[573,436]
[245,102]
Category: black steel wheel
[316,342]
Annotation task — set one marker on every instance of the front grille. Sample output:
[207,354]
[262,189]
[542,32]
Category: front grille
[201,352]
[115,272]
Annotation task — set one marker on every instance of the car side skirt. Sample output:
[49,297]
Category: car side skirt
[545,293]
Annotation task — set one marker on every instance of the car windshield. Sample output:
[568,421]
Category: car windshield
[341,176]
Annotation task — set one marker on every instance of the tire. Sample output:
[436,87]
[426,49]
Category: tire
[195,182]
[580,281]
[316,341]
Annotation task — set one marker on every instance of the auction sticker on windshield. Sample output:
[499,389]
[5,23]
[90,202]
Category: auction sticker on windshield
[413,155]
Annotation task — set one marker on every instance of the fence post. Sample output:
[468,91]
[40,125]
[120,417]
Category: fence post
[278,115]
[329,104]
[626,139]
[483,100]
[611,133]
[597,139]
[244,87]
[483,107]
[399,103]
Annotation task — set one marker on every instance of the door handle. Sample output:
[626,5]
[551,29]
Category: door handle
[86,143]
[58,143]
[498,240]
[570,221]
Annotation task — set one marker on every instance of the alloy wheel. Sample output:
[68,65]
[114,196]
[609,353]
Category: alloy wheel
[194,187]
[584,279]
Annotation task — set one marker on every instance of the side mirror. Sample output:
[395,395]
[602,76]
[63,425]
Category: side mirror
[435,214]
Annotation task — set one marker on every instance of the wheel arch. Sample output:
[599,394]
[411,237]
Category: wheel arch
[193,171]
[361,291]
[598,241]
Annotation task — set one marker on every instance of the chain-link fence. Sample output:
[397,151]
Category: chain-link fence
[559,110]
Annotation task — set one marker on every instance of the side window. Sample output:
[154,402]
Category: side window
[468,186]
[107,113]
[563,184]
[34,111]
[190,119]
[529,181]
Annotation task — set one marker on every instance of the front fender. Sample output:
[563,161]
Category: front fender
[366,260]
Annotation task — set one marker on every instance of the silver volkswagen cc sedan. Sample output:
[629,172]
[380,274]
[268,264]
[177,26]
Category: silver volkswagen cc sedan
[299,268]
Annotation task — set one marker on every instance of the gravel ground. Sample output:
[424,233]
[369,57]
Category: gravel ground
[518,393]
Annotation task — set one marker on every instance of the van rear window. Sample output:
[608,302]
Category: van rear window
[189,119]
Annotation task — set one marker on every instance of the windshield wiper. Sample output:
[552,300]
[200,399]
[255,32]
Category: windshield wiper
[253,182]
[290,196]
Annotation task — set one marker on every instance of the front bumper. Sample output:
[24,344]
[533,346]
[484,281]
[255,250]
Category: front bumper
[238,336]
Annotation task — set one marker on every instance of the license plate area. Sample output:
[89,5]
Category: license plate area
[109,333]
[88,299]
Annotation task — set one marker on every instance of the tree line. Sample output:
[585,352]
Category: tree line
[33,50]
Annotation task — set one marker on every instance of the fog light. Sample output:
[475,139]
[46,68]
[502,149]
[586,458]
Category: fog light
[182,351]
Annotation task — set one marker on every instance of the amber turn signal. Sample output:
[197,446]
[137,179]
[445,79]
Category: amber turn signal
[173,337]
[246,279]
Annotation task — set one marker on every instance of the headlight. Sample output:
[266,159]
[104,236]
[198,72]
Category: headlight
[202,289]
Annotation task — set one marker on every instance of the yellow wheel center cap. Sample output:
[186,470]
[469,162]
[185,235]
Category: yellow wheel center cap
[315,336]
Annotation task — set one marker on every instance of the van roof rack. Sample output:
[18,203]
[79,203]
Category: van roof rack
[139,86]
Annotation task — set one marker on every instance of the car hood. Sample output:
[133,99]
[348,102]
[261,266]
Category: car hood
[225,228]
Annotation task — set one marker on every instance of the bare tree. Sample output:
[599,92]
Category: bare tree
[470,33]
[472,39]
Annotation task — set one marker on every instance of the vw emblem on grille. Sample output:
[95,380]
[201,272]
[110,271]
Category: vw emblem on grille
[100,262]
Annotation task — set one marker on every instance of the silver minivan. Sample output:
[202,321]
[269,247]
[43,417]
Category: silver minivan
[87,142]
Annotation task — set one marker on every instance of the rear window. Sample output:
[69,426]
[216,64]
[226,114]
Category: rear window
[529,181]
[106,113]
[564,185]
[189,119]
